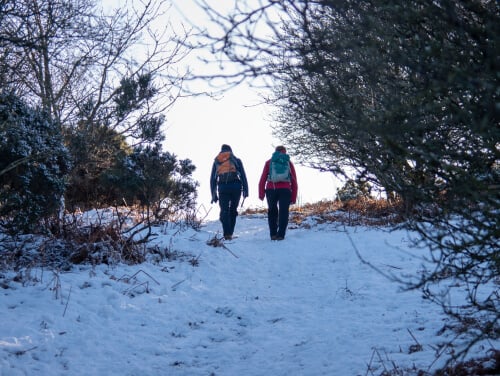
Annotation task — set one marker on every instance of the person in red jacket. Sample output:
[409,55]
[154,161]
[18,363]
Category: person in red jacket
[278,183]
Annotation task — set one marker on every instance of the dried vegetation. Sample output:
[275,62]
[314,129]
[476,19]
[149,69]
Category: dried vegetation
[362,212]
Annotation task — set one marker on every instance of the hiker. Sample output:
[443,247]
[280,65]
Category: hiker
[227,182]
[278,183]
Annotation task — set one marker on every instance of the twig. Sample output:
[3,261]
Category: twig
[158,283]
[178,283]
[132,288]
[412,336]
[369,369]
[22,352]
[443,350]
[417,347]
[217,242]
[392,266]
[394,366]
[381,360]
[369,264]
[227,249]
[67,301]
[135,274]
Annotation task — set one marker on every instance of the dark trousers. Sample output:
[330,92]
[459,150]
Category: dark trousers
[278,203]
[228,202]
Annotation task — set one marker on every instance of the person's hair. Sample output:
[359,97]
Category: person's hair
[225,147]
[281,149]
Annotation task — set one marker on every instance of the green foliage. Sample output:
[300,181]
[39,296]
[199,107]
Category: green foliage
[135,95]
[354,189]
[108,171]
[131,92]
[95,150]
[33,164]
[99,143]
[153,179]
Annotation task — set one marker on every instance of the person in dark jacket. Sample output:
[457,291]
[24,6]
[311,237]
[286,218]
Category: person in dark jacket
[227,182]
[279,193]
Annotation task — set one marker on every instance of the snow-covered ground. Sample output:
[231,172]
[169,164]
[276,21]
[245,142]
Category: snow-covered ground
[307,305]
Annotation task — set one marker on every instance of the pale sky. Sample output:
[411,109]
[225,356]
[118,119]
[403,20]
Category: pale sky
[197,127]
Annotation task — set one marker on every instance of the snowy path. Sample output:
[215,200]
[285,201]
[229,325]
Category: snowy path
[303,306]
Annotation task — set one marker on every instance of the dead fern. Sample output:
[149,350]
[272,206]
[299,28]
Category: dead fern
[362,211]
[216,241]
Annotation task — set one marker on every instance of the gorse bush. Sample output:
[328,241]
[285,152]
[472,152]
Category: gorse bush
[95,149]
[33,165]
[153,179]
[353,189]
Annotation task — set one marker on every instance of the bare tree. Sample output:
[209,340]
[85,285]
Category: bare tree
[76,60]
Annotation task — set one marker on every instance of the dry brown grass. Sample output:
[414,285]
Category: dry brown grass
[487,366]
[364,211]
[104,244]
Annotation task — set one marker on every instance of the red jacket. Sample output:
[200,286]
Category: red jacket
[264,184]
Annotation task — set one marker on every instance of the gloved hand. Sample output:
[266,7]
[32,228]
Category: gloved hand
[214,198]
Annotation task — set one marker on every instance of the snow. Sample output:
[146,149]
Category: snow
[307,305]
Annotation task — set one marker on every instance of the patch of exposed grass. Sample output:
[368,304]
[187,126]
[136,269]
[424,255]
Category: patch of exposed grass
[362,211]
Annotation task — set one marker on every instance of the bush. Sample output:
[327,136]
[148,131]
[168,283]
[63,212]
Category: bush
[94,149]
[153,179]
[353,190]
[33,165]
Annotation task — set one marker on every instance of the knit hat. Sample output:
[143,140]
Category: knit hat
[225,147]
[281,149]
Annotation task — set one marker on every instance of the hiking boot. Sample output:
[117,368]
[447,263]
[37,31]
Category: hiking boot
[228,237]
[279,238]
[274,237]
